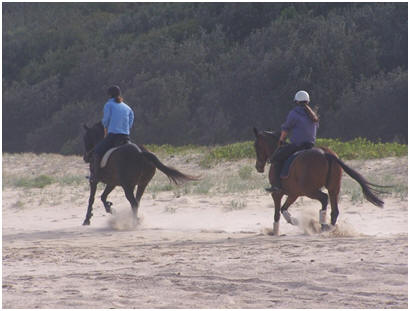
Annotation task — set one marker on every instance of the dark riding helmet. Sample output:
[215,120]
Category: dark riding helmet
[114,91]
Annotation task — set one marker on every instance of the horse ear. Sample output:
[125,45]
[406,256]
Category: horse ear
[255,130]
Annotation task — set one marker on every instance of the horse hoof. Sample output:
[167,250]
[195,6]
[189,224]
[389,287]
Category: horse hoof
[294,221]
[107,206]
[326,227]
[86,222]
[136,221]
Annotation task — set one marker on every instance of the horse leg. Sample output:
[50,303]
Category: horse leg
[138,196]
[277,198]
[129,193]
[284,209]
[323,199]
[107,204]
[333,188]
[93,189]
[334,198]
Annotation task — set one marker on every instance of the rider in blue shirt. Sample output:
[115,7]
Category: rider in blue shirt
[302,124]
[117,121]
[118,117]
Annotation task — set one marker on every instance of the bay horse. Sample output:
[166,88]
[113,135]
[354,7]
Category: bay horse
[310,171]
[128,166]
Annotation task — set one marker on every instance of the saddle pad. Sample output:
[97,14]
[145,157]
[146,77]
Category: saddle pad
[286,166]
[107,155]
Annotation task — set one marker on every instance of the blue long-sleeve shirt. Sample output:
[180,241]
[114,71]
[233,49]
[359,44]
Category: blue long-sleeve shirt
[302,129]
[118,117]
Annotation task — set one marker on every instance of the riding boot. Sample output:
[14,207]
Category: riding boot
[276,185]
[95,168]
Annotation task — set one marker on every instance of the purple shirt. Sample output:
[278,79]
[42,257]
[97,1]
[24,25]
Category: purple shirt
[302,129]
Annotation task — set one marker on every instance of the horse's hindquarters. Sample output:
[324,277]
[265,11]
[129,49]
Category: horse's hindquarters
[308,173]
[127,166]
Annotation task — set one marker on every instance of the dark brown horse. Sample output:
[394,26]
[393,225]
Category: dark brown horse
[128,166]
[311,170]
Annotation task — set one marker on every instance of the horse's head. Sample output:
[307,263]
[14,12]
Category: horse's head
[265,144]
[91,137]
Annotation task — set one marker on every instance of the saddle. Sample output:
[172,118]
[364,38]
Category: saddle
[284,173]
[107,155]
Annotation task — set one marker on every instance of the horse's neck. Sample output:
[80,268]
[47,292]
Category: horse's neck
[272,146]
[271,151]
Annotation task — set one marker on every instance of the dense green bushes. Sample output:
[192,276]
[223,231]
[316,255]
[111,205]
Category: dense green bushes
[201,73]
[359,148]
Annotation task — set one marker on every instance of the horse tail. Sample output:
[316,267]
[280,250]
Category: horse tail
[367,187]
[173,174]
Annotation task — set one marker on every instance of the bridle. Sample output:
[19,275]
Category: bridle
[271,139]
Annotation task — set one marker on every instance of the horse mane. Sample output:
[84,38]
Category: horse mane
[94,133]
[98,126]
[274,135]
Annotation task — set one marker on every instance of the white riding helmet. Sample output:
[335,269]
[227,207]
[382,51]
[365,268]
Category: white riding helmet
[302,96]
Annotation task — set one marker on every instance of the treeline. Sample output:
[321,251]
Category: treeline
[202,73]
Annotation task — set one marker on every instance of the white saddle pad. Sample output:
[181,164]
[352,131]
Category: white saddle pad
[107,155]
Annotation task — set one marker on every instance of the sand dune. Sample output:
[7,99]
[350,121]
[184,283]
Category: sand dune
[196,250]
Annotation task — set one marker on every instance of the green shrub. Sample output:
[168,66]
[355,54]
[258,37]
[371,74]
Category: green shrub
[203,186]
[245,172]
[37,182]
[361,148]
[72,180]
[174,150]
[234,151]
[235,205]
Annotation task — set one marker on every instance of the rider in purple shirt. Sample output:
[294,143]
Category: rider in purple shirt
[302,129]
[302,124]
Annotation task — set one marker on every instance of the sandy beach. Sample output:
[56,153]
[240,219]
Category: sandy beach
[206,246]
